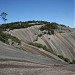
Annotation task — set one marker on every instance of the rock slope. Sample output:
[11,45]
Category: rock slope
[30,60]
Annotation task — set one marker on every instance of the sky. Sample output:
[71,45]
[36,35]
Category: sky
[60,11]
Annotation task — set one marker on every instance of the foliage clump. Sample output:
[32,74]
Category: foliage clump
[4,37]
[49,27]
[65,59]
[39,46]
[72,62]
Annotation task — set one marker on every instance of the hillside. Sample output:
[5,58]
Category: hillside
[37,44]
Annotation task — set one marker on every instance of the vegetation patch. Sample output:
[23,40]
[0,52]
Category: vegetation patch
[73,62]
[39,46]
[49,27]
[60,32]
[18,25]
[65,59]
[4,38]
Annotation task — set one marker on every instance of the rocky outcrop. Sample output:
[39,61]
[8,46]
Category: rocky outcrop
[60,43]
[30,60]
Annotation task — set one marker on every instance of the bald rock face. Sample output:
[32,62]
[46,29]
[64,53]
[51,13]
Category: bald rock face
[29,59]
[61,43]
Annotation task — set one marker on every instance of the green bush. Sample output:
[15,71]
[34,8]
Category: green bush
[65,59]
[73,62]
[39,46]
[39,35]
[4,38]
[60,32]
[49,33]
[49,26]
[44,32]
[52,32]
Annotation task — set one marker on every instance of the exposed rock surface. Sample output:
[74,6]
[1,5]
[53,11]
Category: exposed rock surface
[60,43]
[36,61]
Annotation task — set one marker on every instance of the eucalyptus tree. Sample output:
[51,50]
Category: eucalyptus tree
[3,16]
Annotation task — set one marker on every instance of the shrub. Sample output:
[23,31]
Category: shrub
[39,46]
[73,62]
[39,35]
[60,32]
[52,32]
[4,38]
[44,32]
[65,59]
[49,33]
